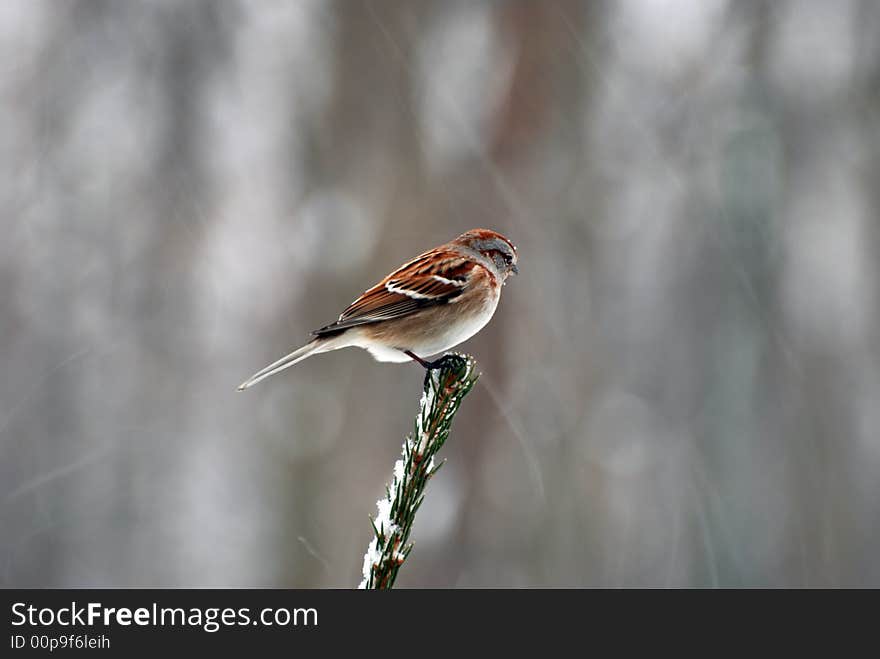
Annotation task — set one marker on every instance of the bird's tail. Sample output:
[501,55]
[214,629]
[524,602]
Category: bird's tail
[311,348]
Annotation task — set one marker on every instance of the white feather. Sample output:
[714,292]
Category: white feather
[405,291]
[450,282]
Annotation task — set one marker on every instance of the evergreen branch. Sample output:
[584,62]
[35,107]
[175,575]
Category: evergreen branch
[444,389]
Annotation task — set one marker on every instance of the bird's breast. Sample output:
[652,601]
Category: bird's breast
[460,320]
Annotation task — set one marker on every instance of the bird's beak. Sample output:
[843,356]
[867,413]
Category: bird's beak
[514,269]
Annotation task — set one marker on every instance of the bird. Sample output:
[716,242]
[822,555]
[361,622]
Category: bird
[428,305]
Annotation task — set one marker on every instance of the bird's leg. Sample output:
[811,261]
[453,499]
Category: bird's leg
[445,360]
[434,365]
[425,364]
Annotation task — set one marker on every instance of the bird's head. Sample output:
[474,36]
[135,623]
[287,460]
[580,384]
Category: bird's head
[494,247]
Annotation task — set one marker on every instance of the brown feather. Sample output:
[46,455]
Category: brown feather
[409,288]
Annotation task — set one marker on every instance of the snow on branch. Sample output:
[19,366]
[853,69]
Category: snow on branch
[444,389]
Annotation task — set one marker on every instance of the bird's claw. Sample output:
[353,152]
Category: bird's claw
[450,360]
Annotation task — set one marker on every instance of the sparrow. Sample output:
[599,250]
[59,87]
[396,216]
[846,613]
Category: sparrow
[428,305]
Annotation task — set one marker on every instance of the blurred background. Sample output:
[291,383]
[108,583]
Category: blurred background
[681,388]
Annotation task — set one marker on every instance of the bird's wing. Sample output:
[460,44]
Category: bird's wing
[435,277]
